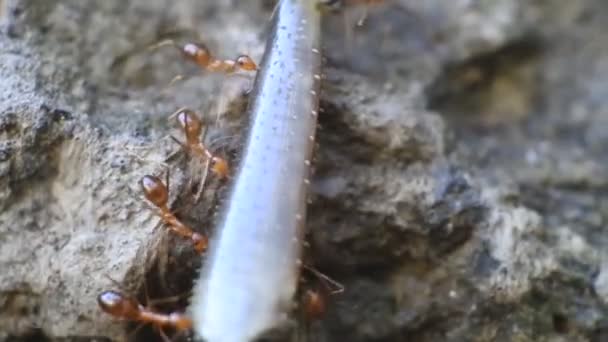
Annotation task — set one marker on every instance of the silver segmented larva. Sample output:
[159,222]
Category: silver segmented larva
[247,285]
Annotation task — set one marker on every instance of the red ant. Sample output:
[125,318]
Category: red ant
[313,301]
[120,306]
[314,304]
[192,127]
[312,308]
[156,192]
[200,54]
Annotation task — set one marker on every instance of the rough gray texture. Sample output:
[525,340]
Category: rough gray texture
[462,198]
[80,126]
[460,178]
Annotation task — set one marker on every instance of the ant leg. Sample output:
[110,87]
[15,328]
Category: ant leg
[362,20]
[145,203]
[130,152]
[113,281]
[158,224]
[162,43]
[219,142]
[146,295]
[170,299]
[134,332]
[174,80]
[363,17]
[174,155]
[174,114]
[163,335]
[162,261]
[338,288]
[183,145]
[167,178]
[201,185]
[221,103]
[178,152]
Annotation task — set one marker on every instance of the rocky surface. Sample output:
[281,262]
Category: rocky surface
[460,173]
[84,107]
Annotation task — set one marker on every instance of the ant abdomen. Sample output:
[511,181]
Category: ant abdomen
[154,190]
[191,125]
[197,53]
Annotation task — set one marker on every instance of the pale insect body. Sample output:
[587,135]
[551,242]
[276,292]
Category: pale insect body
[250,278]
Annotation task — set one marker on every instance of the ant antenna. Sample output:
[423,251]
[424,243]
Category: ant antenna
[337,287]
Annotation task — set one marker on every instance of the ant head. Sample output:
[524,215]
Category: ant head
[191,125]
[314,304]
[219,166]
[154,190]
[198,53]
[245,62]
[200,242]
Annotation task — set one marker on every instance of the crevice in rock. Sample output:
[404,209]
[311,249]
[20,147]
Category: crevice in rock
[495,88]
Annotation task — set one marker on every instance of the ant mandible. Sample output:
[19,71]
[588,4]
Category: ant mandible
[192,127]
[120,306]
[156,192]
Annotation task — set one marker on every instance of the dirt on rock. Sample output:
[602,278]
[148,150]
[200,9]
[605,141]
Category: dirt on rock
[460,178]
